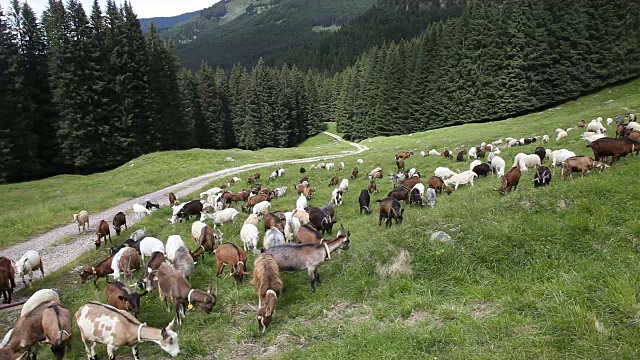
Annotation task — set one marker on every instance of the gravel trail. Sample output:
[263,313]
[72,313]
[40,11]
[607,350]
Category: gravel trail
[56,254]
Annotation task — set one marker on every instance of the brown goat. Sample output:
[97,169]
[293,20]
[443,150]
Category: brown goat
[172,199]
[438,184]
[635,136]
[621,129]
[302,216]
[239,196]
[207,241]
[146,281]
[400,164]
[129,262]
[409,183]
[583,164]
[308,235]
[119,296]
[7,278]
[354,173]
[57,328]
[102,231]
[615,148]
[257,176]
[255,200]
[230,254]
[446,154]
[581,123]
[373,187]
[403,155]
[172,285]
[266,280]
[119,220]
[334,181]
[99,271]
[272,220]
[510,180]
[390,209]
[251,180]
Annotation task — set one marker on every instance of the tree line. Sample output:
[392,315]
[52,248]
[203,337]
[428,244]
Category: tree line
[82,93]
[500,58]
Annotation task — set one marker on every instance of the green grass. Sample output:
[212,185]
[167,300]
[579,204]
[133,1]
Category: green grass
[322,139]
[34,207]
[540,273]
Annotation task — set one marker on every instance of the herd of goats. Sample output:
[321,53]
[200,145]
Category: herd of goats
[293,241]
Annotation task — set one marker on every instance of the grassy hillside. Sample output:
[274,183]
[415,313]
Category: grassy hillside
[166,22]
[260,29]
[547,273]
[52,201]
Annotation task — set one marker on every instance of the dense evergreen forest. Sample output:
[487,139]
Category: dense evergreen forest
[499,59]
[82,93]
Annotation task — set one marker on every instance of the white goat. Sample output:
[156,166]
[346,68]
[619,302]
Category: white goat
[212,191]
[498,165]
[561,135]
[174,242]
[360,162]
[336,197]
[475,163]
[281,191]
[513,142]
[559,156]
[140,211]
[431,197]
[330,166]
[261,208]
[462,178]
[222,217]
[528,162]
[249,233]
[473,153]
[423,154]
[301,203]
[434,152]
[609,121]
[149,245]
[444,173]
[344,185]
[545,139]
[176,209]
[82,219]
[196,230]
[28,262]
[291,227]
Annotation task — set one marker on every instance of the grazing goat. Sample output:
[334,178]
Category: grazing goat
[82,219]
[183,262]
[291,227]
[510,180]
[127,261]
[400,165]
[254,200]
[173,285]
[497,166]
[482,169]
[140,211]
[321,220]
[146,281]
[529,161]
[336,196]
[475,163]
[149,245]
[460,157]
[444,173]
[542,177]
[359,161]
[192,208]
[431,197]
[376,173]
[230,254]
[438,184]
[119,220]
[461,179]
[583,164]
[400,194]
[615,148]
[151,204]
[207,240]
[29,262]
[334,181]
[364,201]
[390,209]
[354,173]
[298,257]
[261,208]
[120,297]
[226,216]
[99,271]
[309,235]
[172,199]
[301,203]
[266,280]
[249,233]
[344,185]
[372,188]
[104,324]
[102,231]
[173,243]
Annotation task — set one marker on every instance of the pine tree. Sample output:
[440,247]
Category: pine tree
[222,85]
[238,87]
[210,130]
[9,79]
[189,104]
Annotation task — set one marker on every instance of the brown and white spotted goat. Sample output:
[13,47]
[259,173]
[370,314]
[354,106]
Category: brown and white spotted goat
[104,324]
[266,279]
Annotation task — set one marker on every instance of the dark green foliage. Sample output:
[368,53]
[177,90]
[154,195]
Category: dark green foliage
[496,60]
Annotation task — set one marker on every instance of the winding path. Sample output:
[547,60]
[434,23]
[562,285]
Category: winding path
[56,253]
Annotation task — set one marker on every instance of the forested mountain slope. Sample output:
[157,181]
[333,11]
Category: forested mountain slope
[166,22]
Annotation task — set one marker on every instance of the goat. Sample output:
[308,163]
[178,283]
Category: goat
[140,211]
[104,324]
[30,261]
[146,281]
[119,220]
[400,194]
[372,188]
[336,196]
[207,240]
[151,204]
[172,285]
[266,280]
[7,278]
[172,199]
[431,197]
[183,261]
[226,216]
[320,220]
[149,245]
[99,271]
[82,219]
[309,235]
[119,296]
[354,173]
[173,243]
[438,184]
[390,209]
[273,237]
[510,180]
[364,201]
[126,260]
[102,231]
[230,254]
[583,164]
[298,257]
[542,177]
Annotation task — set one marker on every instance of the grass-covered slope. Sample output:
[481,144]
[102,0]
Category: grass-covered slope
[546,273]
[34,207]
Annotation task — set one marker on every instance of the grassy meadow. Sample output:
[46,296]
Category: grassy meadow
[544,273]
[51,201]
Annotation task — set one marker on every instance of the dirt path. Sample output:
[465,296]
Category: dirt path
[56,253]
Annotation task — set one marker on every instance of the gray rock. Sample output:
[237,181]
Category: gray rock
[608,102]
[441,236]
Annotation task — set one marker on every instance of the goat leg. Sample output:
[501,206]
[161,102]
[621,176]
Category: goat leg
[312,279]
[134,350]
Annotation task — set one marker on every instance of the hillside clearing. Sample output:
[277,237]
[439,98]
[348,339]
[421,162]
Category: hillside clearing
[539,273]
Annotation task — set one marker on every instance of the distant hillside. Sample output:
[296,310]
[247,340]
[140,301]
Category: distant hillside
[166,22]
[245,30]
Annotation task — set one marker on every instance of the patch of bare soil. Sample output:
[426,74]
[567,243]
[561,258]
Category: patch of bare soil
[401,264]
